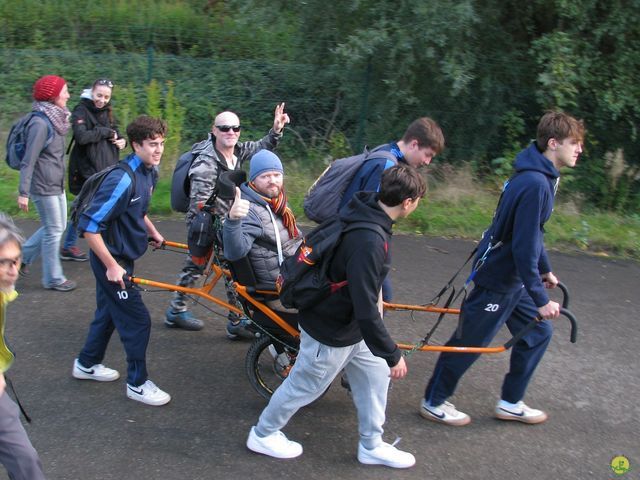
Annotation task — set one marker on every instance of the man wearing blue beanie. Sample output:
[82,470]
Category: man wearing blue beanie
[260,223]
[264,161]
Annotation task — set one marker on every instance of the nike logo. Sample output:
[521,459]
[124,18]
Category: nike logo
[441,415]
[135,390]
[85,370]
[520,414]
[135,199]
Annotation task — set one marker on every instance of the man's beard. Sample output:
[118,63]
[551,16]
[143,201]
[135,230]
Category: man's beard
[270,194]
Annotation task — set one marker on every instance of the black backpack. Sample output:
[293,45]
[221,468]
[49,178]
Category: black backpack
[180,185]
[84,198]
[304,277]
[322,200]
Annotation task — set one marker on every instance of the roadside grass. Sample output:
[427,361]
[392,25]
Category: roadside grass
[454,207]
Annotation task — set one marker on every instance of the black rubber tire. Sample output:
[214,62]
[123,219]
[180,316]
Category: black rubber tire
[266,373]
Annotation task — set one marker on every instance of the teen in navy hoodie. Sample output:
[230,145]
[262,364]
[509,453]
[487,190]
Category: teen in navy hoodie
[511,272]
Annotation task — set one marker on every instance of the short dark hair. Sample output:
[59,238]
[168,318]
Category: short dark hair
[145,127]
[9,232]
[558,125]
[427,132]
[399,183]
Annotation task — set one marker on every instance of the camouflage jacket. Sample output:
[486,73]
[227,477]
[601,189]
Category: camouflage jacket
[208,164]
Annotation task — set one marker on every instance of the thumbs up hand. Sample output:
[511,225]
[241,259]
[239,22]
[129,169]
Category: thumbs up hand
[240,207]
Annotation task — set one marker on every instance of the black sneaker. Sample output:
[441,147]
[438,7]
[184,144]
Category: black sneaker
[65,286]
[73,254]
[24,270]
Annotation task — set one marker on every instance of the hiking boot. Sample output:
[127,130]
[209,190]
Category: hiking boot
[237,330]
[65,286]
[385,454]
[148,393]
[184,320]
[24,271]
[73,254]
[445,413]
[97,372]
[275,445]
[519,412]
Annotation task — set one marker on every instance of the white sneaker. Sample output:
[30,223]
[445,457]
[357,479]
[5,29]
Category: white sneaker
[98,372]
[148,393]
[385,454]
[444,413]
[276,445]
[519,412]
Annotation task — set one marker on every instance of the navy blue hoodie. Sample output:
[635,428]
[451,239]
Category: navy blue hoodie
[525,206]
[362,258]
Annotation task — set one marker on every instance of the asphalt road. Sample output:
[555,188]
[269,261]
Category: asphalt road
[87,430]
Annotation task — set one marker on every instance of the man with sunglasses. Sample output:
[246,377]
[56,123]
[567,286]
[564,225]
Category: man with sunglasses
[16,452]
[221,152]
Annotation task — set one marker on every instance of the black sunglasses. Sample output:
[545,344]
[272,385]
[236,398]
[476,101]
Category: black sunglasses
[226,128]
[105,81]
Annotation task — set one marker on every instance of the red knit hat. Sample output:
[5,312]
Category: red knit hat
[47,87]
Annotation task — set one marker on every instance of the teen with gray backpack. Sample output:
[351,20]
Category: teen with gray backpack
[422,141]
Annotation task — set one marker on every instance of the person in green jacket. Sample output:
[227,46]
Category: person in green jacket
[16,452]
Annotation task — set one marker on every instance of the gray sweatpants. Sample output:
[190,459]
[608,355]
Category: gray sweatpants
[16,452]
[316,367]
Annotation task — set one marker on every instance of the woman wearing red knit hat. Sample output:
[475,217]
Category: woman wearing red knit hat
[42,179]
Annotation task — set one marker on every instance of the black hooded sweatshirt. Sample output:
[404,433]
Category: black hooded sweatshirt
[363,259]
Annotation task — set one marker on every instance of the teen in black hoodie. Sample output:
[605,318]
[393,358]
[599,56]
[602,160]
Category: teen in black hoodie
[346,331]
[512,271]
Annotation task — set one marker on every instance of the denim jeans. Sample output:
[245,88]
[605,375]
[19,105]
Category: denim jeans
[71,238]
[46,240]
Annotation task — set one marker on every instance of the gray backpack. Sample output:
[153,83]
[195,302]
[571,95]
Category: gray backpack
[323,198]
[17,139]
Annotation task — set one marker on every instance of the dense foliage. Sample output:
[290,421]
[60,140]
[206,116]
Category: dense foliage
[354,72]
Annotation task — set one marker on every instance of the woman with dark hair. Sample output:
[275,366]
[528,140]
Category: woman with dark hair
[96,146]
[42,179]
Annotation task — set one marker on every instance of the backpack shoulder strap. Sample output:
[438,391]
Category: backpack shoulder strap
[366,226]
[378,153]
[127,168]
[49,126]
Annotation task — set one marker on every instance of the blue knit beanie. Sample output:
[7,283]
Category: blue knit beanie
[264,161]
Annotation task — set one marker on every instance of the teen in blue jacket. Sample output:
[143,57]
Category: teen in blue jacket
[512,272]
[422,141]
[117,230]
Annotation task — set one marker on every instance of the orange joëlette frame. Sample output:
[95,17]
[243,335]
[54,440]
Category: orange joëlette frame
[218,272]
